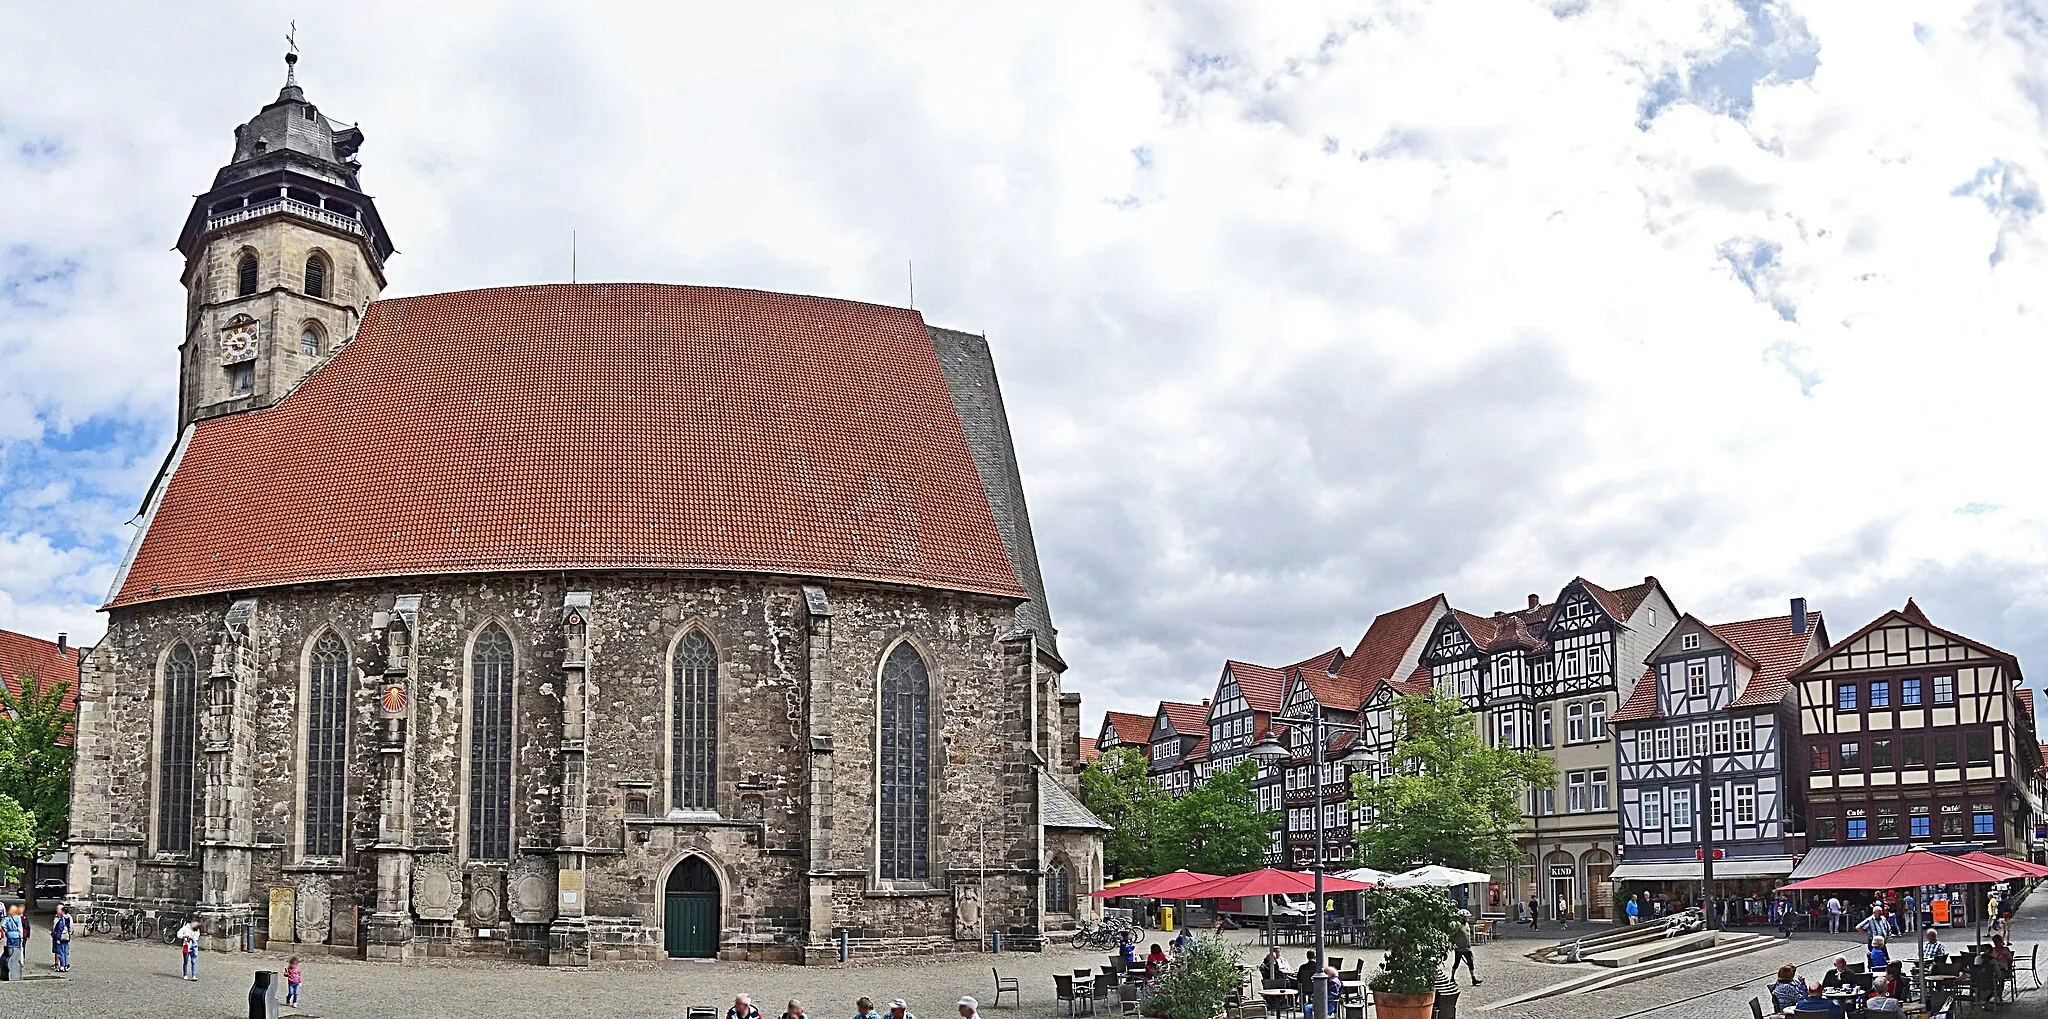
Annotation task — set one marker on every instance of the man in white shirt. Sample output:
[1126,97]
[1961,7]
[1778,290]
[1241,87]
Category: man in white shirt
[1834,915]
[188,950]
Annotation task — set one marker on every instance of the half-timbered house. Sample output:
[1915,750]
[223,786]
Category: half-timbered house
[1124,729]
[1709,724]
[1914,734]
[1178,729]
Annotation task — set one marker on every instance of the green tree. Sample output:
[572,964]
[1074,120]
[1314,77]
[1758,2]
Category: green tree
[1218,827]
[17,837]
[1446,797]
[1120,790]
[35,758]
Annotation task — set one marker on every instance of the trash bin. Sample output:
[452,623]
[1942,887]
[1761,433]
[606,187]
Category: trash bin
[263,995]
[1166,918]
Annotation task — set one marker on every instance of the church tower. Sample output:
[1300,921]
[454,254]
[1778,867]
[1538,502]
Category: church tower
[282,257]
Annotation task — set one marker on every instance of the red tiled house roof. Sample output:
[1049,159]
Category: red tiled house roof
[1775,650]
[1385,645]
[1642,702]
[1130,729]
[1261,686]
[1090,753]
[21,654]
[1188,719]
[602,426]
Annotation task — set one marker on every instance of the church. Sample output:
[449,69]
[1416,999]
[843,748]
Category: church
[569,624]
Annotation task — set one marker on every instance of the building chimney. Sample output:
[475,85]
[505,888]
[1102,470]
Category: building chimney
[1535,600]
[62,639]
[1798,615]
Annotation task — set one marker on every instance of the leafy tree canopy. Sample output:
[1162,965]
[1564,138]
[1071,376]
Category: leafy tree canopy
[17,837]
[1119,789]
[1446,797]
[1218,827]
[35,760]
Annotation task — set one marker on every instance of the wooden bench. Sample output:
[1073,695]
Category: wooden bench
[1482,931]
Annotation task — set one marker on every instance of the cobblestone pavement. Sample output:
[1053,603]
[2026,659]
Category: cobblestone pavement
[139,979]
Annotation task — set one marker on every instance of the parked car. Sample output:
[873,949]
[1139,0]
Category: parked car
[52,888]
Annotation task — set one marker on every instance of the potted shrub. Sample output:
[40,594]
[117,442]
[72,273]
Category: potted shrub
[1196,985]
[1414,926]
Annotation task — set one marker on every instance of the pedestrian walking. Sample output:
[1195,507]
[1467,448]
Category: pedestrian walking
[1461,948]
[188,950]
[1912,915]
[1631,912]
[1564,912]
[292,976]
[13,937]
[1533,916]
[60,939]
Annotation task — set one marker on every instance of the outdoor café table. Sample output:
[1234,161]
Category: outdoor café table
[1278,999]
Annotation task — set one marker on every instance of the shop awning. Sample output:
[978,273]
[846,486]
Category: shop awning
[1689,870]
[1828,859]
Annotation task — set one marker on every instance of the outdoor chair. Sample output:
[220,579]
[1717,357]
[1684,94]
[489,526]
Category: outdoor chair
[702,1012]
[1064,989]
[1756,1009]
[2027,964]
[1006,985]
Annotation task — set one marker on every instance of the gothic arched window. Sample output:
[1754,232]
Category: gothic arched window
[693,724]
[245,275]
[316,276]
[490,745]
[309,339]
[175,751]
[1059,888]
[905,765]
[326,745]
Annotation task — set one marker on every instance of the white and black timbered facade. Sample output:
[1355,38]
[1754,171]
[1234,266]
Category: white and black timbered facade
[1911,733]
[1700,744]
[1310,692]
[1178,731]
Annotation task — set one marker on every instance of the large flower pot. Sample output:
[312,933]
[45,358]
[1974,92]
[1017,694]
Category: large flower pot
[1404,1006]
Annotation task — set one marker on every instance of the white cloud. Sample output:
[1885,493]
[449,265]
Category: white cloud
[1303,311]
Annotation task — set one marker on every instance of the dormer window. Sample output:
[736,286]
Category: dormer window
[1689,642]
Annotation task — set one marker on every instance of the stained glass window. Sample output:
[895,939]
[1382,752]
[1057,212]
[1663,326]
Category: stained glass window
[693,724]
[326,745]
[180,733]
[490,745]
[905,765]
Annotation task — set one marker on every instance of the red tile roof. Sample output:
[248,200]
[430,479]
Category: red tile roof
[1188,719]
[1130,729]
[1264,688]
[601,426]
[1775,650]
[1385,644]
[1200,752]
[21,654]
[1418,682]
[2026,702]
[1479,628]
[1609,601]
[1632,598]
[1912,614]
[1642,702]
[1090,753]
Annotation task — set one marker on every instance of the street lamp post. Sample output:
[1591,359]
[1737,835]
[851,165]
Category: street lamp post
[1706,809]
[1271,751]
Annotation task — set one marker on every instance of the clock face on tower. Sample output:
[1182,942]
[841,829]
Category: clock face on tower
[238,341]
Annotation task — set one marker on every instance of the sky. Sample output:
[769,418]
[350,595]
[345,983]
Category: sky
[1302,311]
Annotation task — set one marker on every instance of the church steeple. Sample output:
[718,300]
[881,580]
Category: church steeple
[282,256]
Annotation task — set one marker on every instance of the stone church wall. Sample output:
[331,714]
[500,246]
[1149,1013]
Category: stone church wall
[988,692]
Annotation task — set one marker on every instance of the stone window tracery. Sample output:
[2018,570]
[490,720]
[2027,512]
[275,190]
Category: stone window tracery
[693,724]
[180,733]
[1059,888]
[326,745]
[905,765]
[490,745]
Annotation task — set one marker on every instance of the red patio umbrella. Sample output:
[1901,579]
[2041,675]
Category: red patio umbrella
[1909,869]
[1164,886]
[2013,867]
[1268,882]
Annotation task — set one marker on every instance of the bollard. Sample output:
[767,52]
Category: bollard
[997,938]
[263,995]
[845,946]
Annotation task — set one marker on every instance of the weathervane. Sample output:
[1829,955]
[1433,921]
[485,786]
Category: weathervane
[291,56]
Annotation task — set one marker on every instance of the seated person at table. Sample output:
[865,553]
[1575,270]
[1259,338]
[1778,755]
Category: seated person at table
[1932,950]
[1788,989]
[1815,1004]
[1273,969]
[1879,957]
[1881,1000]
[1183,942]
[1332,988]
[1305,977]
[1839,975]
[1155,960]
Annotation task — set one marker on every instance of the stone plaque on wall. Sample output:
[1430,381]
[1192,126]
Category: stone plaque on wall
[486,898]
[283,917]
[312,908]
[533,889]
[966,912]
[435,887]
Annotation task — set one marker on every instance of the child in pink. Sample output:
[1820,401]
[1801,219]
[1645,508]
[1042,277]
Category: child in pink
[291,981]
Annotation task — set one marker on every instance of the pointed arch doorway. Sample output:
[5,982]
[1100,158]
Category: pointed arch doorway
[690,910]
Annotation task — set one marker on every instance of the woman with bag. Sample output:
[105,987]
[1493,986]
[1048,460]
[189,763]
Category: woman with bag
[60,938]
